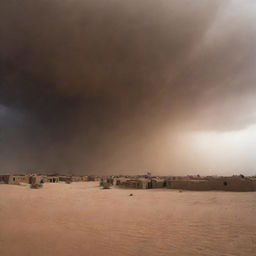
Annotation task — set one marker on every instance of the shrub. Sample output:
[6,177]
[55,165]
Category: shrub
[106,186]
[36,186]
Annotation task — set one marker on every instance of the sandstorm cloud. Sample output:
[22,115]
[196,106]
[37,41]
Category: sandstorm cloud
[111,86]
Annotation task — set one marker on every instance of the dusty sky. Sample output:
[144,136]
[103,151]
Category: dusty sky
[114,86]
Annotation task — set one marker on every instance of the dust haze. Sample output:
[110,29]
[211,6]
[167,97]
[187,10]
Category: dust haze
[128,86]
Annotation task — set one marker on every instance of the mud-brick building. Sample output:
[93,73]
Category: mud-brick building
[51,179]
[134,183]
[18,179]
[76,178]
[107,179]
[14,179]
[36,179]
[93,178]
[64,178]
[6,179]
[140,183]
[197,185]
[73,178]
[235,183]
[84,178]
[157,183]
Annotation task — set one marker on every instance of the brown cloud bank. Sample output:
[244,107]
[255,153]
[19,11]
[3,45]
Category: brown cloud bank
[110,85]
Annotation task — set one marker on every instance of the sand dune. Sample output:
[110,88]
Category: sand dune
[82,219]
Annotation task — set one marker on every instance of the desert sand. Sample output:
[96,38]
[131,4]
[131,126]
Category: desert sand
[83,219]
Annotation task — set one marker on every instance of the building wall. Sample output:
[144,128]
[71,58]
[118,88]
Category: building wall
[17,179]
[51,179]
[93,178]
[233,184]
[64,178]
[138,183]
[225,184]
[76,178]
[129,183]
[6,178]
[189,185]
[84,178]
[158,183]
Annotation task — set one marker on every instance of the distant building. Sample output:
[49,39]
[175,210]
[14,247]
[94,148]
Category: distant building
[73,178]
[93,178]
[235,183]
[140,183]
[51,179]
[6,179]
[18,179]
[77,178]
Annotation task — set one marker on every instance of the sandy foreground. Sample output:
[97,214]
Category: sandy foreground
[82,219]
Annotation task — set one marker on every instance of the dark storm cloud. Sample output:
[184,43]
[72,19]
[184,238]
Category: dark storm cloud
[93,82]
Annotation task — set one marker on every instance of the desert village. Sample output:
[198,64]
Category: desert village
[127,215]
[238,183]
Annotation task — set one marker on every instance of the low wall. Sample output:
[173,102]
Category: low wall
[225,184]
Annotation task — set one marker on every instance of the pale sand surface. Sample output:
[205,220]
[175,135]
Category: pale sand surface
[82,219]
